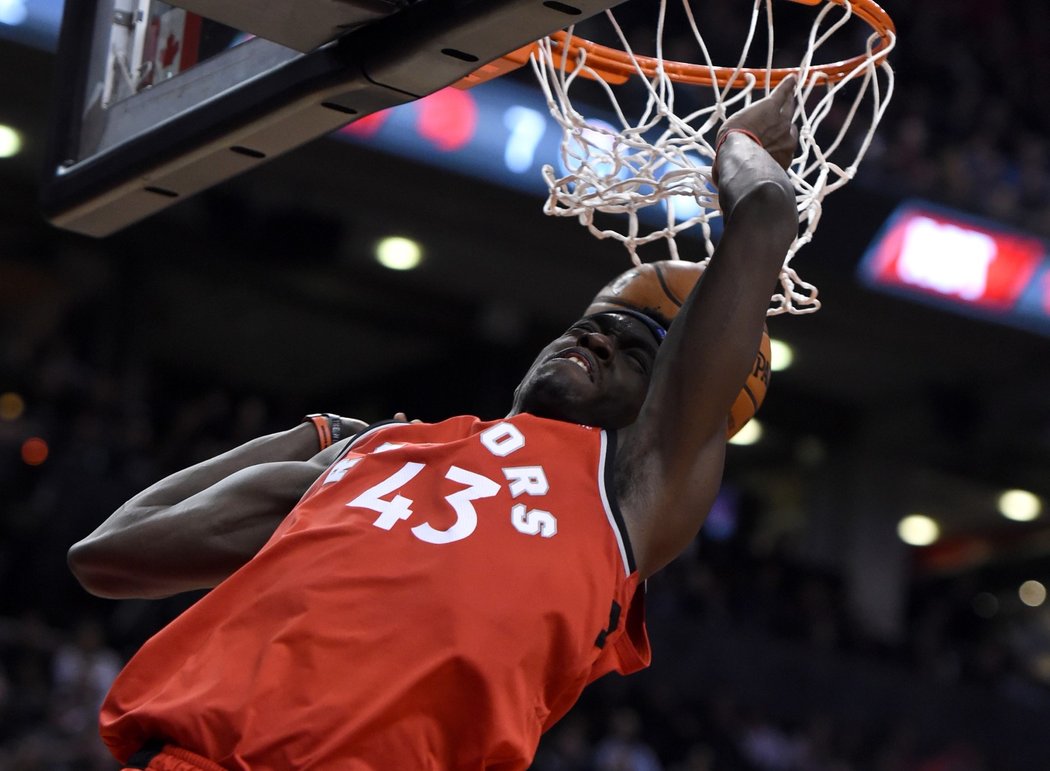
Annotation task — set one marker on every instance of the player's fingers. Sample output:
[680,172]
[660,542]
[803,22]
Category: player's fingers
[786,86]
[784,94]
[401,417]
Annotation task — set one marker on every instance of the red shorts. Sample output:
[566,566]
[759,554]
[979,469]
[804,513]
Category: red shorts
[172,758]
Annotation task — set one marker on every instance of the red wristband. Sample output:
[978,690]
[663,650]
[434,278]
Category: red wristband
[745,132]
[329,428]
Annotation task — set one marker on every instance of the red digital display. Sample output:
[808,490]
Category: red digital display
[958,260]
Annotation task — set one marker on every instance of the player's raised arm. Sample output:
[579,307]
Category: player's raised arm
[671,458]
[194,528]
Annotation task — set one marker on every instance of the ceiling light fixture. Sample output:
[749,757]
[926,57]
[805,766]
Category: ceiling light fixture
[1020,505]
[10,142]
[398,253]
[781,355]
[918,530]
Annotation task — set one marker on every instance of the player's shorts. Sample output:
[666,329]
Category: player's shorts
[169,758]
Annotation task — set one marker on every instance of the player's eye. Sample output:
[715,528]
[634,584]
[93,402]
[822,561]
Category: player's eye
[639,361]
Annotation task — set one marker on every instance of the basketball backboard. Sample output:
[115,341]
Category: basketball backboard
[156,101]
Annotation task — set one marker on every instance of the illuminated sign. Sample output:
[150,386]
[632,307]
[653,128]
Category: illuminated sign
[934,254]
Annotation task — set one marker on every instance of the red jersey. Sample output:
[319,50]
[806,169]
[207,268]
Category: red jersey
[438,598]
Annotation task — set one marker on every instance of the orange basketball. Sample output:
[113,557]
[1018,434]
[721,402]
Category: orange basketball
[658,289]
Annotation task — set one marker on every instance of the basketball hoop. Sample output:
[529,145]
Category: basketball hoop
[663,157]
[616,66]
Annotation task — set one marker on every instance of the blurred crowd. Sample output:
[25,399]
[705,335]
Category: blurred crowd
[966,127]
[741,637]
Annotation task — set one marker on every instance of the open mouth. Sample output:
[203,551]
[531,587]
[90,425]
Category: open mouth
[580,360]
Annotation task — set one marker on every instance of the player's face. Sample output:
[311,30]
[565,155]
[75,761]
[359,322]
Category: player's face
[596,374]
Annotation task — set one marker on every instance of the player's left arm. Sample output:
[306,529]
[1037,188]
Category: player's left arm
[670,460]
[195,527]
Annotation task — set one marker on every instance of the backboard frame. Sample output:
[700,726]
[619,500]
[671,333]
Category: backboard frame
[291,99]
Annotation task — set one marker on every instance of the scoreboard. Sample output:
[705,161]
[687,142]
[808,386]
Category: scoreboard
[957,262]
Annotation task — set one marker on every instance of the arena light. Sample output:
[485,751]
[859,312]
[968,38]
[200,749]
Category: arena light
[918,530]
[750,433]
[13,12]
[1032,593]
[10,142]
[12,406]
[34,451]
[1020,505]
[781,355]
[398,253]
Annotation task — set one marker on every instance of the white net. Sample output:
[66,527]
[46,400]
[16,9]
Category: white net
[657,162]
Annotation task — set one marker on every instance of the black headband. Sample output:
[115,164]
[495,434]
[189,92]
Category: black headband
[658,331]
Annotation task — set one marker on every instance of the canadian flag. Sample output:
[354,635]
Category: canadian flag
[177,41]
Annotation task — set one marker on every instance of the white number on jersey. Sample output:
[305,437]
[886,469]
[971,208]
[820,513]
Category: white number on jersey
[477,486]
[397,508]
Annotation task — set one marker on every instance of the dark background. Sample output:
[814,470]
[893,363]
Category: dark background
[803,636]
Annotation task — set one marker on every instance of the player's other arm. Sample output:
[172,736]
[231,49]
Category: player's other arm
[672,456]
[194,528]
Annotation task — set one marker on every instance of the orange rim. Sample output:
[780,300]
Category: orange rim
[615,66]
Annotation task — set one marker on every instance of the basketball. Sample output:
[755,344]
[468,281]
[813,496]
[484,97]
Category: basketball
[658,289]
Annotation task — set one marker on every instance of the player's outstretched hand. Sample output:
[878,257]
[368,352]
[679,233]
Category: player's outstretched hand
[770,119]
[403,418]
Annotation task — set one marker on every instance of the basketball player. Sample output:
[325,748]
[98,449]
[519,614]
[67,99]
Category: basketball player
[440,594]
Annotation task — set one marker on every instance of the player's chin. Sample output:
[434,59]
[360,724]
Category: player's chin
[556,399]
[567,415]
[583,411]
